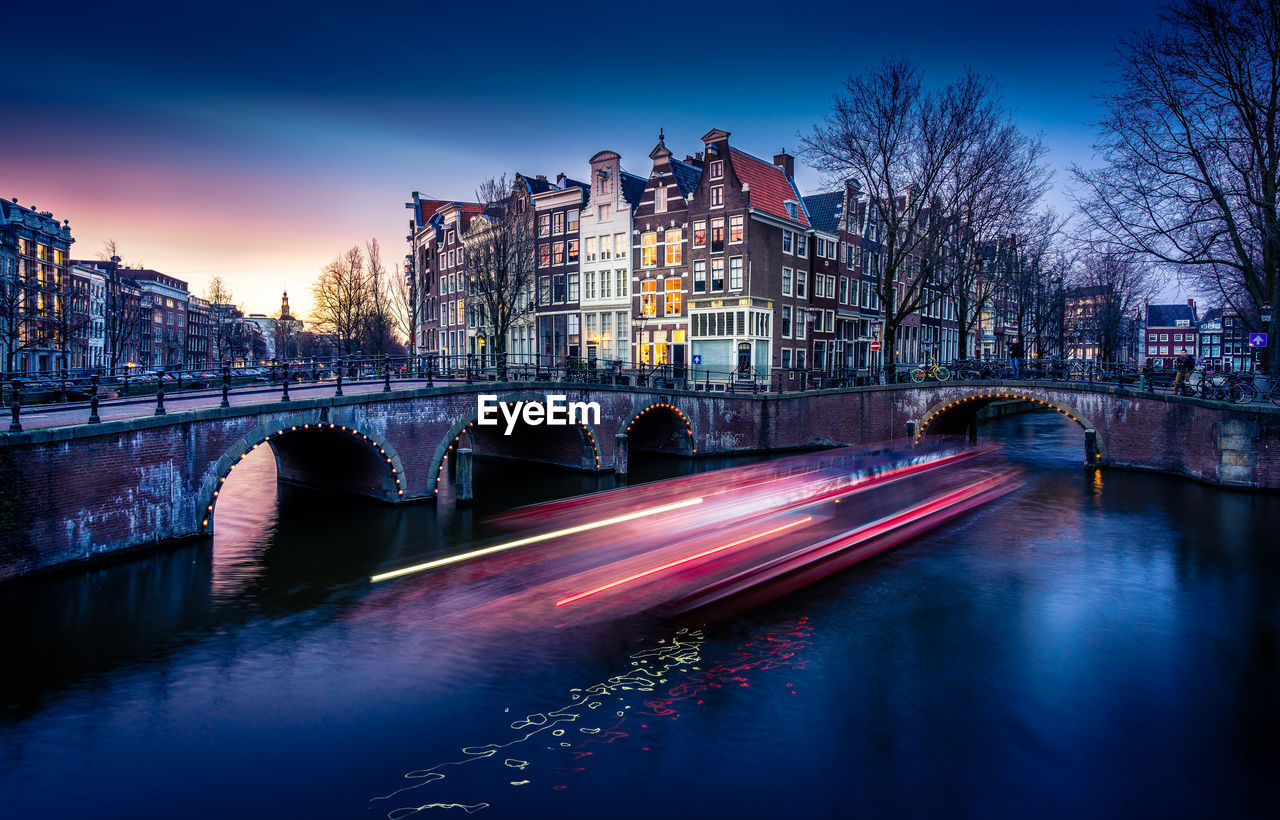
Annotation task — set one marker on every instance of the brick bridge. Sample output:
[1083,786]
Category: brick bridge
[75,492]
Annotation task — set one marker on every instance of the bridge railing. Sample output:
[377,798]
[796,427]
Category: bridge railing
[90,389]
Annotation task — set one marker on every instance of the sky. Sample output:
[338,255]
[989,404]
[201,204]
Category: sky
[257,141]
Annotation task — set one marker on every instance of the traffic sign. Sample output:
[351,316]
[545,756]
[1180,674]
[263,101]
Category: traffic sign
[1257,340]
[697,358]
[875,345]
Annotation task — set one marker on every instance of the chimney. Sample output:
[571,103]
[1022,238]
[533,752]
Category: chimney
[786,162]
[542,177]
[560,178]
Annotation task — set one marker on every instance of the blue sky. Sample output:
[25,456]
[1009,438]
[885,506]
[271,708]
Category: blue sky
[256,141]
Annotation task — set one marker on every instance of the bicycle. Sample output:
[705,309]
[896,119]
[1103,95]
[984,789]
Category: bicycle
[930,370]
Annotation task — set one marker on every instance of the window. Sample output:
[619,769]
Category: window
[573,250]
[699,234]
[844,290]
[802,284]
[660,199]
[604,212]
[799,358]
[787,239]
[649,249]
[557,288]
[557,222]
[544,256]
[674,239]
[717,236]
[591,249]
[673,296]
[802,245]
[589,284]
[801,321]
[572,216]
[557,253]
[786,358]
[544,225]
[786,281]
[735,273]
[649,297]
[735,228]
[786,321]
[620,248]
[699,276]
[606,284]
[1164,337]
[717,274]
[717,169]
[573,287]
[717,196]
[624,284]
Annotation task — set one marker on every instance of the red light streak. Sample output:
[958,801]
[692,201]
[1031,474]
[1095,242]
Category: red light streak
[637,576]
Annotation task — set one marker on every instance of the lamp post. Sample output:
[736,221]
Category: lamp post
[1265,315]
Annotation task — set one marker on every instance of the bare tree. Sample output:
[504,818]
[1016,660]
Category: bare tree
[1036,282]
[379,316]
[402,305]
[918,156]
[70,319]
[228,334]
[1112,286]
[500,262]
[1191,144]
[124,317]
[17,301]
[341,300]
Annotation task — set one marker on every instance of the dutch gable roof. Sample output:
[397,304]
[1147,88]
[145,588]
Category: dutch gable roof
[1170,315]
[771,188]
[632,188]
[824,210]
[686,176]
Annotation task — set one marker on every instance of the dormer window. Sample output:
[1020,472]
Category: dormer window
[791,208]
[717,169]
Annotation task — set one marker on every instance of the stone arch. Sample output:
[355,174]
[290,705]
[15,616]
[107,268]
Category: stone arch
[382,454]
[467,424]
[983,396]
[663,408]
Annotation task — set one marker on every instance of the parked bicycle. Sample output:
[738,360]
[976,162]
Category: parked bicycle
[930,370]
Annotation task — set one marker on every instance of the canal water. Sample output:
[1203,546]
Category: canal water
[1091,645]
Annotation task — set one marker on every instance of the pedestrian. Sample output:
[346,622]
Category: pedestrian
[1015,357]
[1185,365]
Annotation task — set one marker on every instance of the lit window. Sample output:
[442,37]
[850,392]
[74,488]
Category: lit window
[557,253]
[604,212]
[674,238]
[557,223]
[649,297]
[648,249]
[699,234]
[735,228]
[620,248]
[544,225]
[673,296]
[591,249]
[544,256]
[717,236]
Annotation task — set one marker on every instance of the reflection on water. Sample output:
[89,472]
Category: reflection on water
[1094,644]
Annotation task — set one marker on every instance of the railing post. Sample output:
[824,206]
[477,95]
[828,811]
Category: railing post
[160,397]
[93,400]
[1090,448]
[15,409]
[386,374]
[284,394]
[431,365]
[911,429]
[226,384]
[338,392]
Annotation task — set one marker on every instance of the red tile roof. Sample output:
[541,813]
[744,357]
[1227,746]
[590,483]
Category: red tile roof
[770,187]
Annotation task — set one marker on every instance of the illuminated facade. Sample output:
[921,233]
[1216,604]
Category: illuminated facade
[34,281]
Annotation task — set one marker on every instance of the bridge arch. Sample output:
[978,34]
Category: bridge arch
[660,426]
[315,454]
[962,407]
[574,445]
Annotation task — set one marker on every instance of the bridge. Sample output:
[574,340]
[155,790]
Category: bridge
[76,491]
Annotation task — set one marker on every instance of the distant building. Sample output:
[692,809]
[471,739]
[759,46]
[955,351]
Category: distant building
[167,297]
[34,251]
[200,342]
[1170,331]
